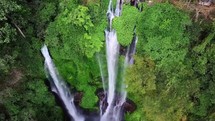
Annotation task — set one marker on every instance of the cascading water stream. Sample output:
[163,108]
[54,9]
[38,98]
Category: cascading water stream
[110,15]
[129,60]
[114,109]
[102,100]
[59,87]
[118,10]
[112,53]
[101,72]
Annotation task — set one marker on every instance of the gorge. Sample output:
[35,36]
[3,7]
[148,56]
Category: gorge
[112,104]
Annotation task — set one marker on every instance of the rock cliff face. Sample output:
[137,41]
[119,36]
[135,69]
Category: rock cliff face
[129,106]
[78,97]
[202,10]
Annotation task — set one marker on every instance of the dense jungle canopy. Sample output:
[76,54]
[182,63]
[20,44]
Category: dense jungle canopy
[172,79]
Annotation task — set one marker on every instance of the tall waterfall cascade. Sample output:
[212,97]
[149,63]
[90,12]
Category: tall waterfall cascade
[114,99]
[114,110]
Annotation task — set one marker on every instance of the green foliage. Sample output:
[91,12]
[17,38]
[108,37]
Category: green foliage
[163,20]
[20,48]
[135,116]
[73,32]
[141,76]
[89,100]
[7,35]
[125,24]
[18,41]
[145,80]
[179,84]
[82,18]
[32,103]
[46,11]
[73,39]
[6,61]
[97,11]
[7,6]
[202,55]
[159,96]
[161,32]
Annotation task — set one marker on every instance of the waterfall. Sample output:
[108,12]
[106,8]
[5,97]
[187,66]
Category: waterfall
[114,109]
[101,71]
[59,87]
[110,15]
[112,52]
[111,106]
[118,10]
[129,60]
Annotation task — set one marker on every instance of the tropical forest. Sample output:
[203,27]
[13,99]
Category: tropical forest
[107,60]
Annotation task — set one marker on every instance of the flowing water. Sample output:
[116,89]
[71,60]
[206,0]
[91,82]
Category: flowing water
[101,72]
[59,87]
[112,53]
[113,110]
[118,10]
